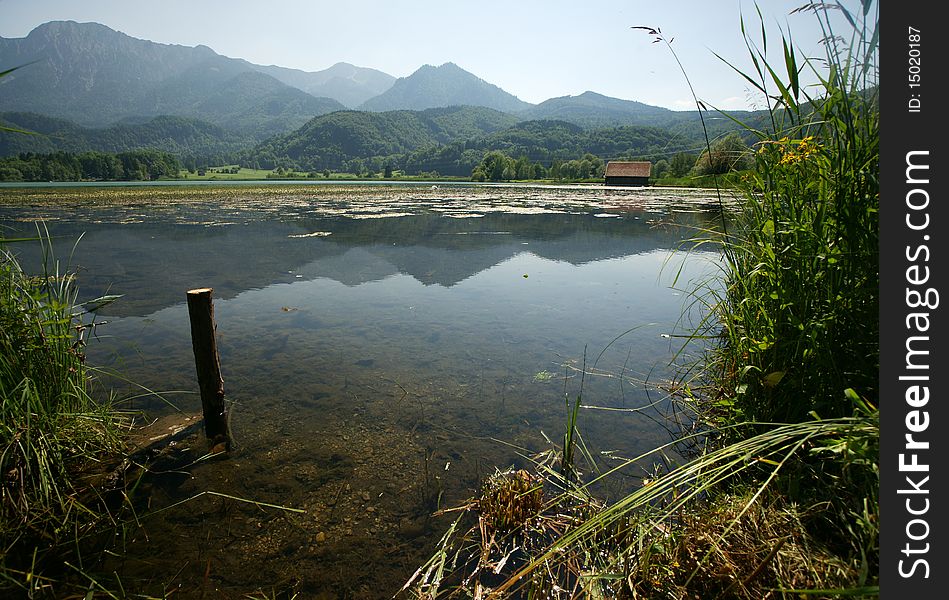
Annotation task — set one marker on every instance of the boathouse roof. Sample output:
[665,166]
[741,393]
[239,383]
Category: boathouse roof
[624,168]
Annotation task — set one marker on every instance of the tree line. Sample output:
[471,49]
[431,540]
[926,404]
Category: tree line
[498,166]
[729,153]
[136,165]
[533,150]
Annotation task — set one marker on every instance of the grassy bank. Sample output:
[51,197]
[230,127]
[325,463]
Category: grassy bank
[52,429]
[238,173]
[732,180]
[780,495]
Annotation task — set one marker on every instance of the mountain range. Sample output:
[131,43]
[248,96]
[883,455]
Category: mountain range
[95,76]
[86,86]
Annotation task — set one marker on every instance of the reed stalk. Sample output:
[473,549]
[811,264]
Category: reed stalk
[785,498]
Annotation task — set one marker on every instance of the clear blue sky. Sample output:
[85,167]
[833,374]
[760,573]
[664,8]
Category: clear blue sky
[534,50]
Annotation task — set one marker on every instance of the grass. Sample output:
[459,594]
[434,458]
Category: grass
[731,180]
[224,172]
[238,173]
[781,498]
[51,426]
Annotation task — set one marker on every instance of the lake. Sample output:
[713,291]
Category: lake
[384,348]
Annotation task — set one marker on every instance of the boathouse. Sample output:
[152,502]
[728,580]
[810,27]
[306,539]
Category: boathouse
[634,173]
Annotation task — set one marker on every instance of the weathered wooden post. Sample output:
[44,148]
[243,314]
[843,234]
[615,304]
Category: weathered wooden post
[208,365]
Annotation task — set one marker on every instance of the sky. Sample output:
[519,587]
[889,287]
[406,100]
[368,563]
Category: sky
[534,50]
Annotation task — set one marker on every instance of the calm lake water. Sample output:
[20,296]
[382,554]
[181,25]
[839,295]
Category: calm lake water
[384,347]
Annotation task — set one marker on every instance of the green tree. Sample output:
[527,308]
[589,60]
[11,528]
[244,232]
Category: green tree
[660,168]
[495,166]
[729,153]
[10,173]
[554,171]
[522,168]
[681,164]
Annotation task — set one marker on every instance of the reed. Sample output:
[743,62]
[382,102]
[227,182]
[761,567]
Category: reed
[799,312]
[51,426]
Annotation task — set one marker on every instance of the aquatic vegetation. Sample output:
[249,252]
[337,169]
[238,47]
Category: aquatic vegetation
[543,376]
[510,499]
[676,536]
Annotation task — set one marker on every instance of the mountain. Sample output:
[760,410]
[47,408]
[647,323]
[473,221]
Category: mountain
[258,105]
[93,75]
[594,111]
[104,90]
[446,85]
[343,82]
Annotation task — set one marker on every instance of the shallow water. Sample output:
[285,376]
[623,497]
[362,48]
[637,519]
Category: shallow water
[384,347]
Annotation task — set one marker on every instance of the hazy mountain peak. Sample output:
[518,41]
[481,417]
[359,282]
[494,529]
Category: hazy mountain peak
[54,27]
[344,82]
[444,85]
[591,109]
[447,66]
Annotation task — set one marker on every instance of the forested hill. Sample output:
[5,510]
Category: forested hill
[449,141]
[546,141]
[186,138]
[330,141]
[453,141]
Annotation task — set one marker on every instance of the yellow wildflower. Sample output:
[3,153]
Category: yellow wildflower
[790,157]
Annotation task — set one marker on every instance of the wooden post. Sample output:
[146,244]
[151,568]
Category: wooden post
[208,365]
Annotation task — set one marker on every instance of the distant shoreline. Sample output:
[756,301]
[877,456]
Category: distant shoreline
[330,182]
